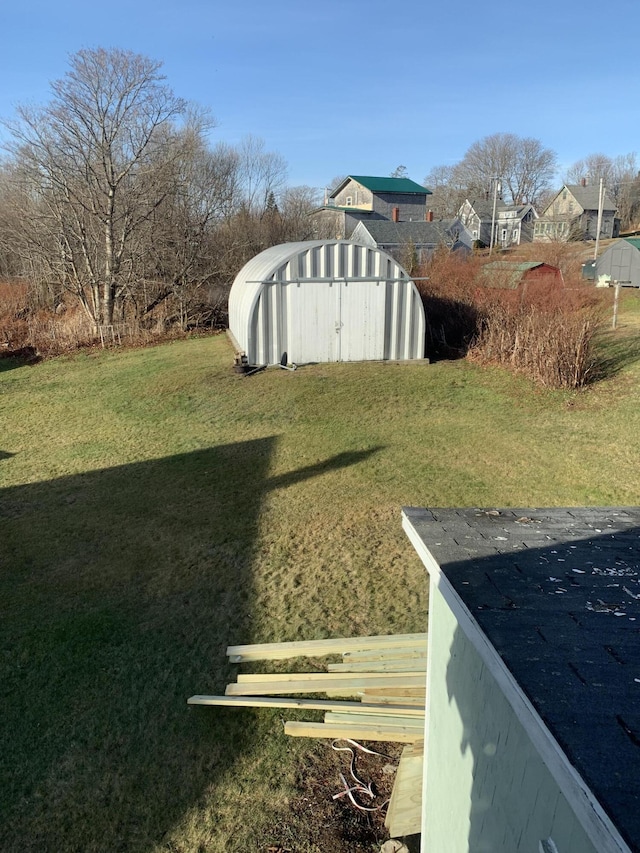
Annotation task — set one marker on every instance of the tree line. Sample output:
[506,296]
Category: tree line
[112,193]
[522,170]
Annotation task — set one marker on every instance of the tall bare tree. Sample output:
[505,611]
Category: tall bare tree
[92,165]
[447,193]
[260,172]
[523,165]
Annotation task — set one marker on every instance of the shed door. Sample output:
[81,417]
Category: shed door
[335,320]
[313,309]
[361,321]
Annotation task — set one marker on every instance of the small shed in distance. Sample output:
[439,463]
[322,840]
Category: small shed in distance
[512,274]
[620,264]
[323,301]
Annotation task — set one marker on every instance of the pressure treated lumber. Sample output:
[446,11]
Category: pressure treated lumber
[305,704]
[260,677]
[414,701]
[394,652]
[315,685]
[404,814]
[391,718]
[396,734]
[404,688]
[407,665]
[319,648]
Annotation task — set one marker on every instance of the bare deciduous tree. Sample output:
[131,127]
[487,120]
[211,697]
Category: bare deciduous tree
[447,194]
[91,164]
[524,166]
[260,172]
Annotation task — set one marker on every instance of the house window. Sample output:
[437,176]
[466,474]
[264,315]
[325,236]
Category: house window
[349,201]
[514,236]
[475,235]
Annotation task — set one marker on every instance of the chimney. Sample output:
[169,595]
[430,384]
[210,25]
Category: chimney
[395,214]
[583,182]
[429,216]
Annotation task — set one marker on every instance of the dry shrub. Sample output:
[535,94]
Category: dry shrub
[13,324]
[539,329]
[30,328]
[447,284]
[53,333]
[555,348]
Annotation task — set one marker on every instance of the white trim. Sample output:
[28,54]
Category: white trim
[581,799]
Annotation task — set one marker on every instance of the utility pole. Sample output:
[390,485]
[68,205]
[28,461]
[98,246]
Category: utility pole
[600,206]
[493,215]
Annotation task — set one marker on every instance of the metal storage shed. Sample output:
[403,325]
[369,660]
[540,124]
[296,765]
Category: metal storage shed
[620,264]
[325,300]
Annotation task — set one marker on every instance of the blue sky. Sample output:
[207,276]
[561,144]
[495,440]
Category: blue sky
[360,86]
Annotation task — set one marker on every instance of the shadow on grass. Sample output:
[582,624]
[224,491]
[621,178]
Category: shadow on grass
[4,454]
[617,350]
[122,589]
[451,326]
[18,358]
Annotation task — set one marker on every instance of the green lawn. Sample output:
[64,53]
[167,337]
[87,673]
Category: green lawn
[155,507]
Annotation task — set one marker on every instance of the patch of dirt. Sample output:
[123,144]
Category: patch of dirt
[318,822]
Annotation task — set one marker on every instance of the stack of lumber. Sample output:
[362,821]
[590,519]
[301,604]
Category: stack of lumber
[386,674]
[376,692]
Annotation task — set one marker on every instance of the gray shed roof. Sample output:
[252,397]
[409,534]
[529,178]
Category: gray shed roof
[557,593]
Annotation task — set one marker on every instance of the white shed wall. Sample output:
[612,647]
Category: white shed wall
[326,301]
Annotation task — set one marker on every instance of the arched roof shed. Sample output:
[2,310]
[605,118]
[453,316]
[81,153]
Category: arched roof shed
[326,300]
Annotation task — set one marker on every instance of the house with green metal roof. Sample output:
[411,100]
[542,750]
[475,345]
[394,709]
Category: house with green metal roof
[369,198]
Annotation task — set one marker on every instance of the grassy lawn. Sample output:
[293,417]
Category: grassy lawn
[155,507]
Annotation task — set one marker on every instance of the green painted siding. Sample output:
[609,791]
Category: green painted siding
[486,788]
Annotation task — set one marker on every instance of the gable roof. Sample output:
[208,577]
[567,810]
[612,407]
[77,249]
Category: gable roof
[483,208]
[385,185]
[557,594]
[419,233]
[509,273]
[589,197]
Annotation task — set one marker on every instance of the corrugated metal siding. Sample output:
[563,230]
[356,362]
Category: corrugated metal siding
[621,261]
[326,301]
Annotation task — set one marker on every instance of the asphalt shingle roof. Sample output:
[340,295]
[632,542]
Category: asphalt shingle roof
[557,593]
[419,233]
[589,197]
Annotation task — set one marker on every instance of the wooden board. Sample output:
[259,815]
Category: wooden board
[395,653]
[407,665]
[315,685]
[391,718]
[416,701]
[404,815]
[403,689]
[260,677]
[305,704]
[319,648]
[396,734]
